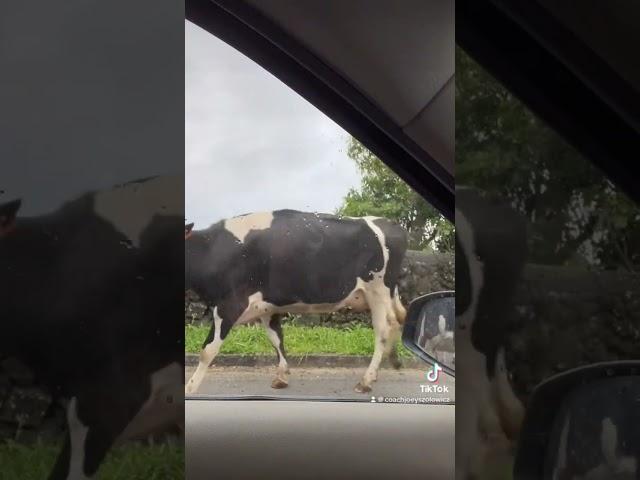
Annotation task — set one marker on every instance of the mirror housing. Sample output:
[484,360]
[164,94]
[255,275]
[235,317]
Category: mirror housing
[583,423]
[429,329]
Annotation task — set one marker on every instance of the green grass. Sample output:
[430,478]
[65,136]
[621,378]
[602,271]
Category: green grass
[500,469]
[298,340]
[128,462]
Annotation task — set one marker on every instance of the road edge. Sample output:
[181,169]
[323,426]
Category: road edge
[313,361]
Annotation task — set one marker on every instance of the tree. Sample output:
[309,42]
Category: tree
[382,193]
[575,214]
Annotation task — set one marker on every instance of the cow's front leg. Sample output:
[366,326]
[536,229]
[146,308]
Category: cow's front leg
[210,350]
[70,462]
[96,418]
[382,332]
[274,332]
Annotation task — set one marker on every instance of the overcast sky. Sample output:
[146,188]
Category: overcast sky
[251,143]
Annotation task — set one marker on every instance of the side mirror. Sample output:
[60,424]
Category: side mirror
[429,329]
[583,424]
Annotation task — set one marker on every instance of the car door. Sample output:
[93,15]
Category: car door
[318,427]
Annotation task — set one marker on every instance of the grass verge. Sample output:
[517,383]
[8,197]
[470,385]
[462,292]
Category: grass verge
[129,462]
[298,340]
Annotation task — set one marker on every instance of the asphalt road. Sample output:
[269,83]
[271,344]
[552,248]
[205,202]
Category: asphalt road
[324,382]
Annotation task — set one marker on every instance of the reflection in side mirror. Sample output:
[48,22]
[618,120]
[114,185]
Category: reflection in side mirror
[583,423]
[429,329]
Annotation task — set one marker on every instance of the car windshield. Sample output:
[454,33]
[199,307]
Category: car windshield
[573,301]
[303,250]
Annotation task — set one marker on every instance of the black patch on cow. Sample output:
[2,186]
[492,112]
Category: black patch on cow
[499,235]
[463,281]
[8,213]
[61,467]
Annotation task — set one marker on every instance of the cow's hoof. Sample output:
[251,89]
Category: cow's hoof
[279,383]
[360,388]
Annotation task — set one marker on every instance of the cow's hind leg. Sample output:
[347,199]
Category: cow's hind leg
[396,319]
[378,303]
[274,332]
[70,462]
[211,348]
[394,336]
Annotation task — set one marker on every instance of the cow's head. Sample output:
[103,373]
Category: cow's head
[8,213]
[188,230]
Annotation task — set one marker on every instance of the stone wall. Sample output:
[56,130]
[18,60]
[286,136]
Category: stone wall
[566,318]
[27,411]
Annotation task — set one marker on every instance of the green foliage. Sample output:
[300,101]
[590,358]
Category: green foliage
[128,462]
[298,340]
[382,193]
[576,215]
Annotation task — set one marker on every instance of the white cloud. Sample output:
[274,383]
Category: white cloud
[251,143]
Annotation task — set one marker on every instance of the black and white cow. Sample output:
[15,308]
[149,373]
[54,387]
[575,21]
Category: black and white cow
[490,254]
[256,266]
[91,298]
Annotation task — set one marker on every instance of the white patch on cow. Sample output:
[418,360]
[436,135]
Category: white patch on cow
[78,436]
[163,408]
[383,245]
[240,227]
[130,208]
[207,356]
[464,232]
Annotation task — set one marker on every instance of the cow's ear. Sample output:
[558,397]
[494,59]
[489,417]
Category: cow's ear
[187,229]
[8,213]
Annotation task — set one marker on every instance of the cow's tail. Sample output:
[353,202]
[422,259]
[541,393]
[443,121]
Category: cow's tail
[398,308]
[509,407]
